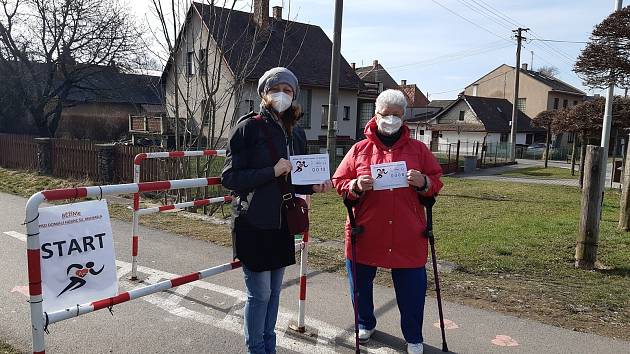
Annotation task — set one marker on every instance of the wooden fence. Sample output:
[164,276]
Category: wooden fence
[18,152]
[74,158]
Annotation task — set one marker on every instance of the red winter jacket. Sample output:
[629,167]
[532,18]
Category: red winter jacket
[393,220]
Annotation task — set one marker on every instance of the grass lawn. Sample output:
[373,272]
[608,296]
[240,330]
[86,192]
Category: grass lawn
[541,173]
[514,244]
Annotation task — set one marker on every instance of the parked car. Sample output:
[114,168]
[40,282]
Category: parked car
[536,149]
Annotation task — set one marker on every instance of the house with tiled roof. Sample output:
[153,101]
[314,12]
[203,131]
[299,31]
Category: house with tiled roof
[472,120]
[243,45]
[537,92]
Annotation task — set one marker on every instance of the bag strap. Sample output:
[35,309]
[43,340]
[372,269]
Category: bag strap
[285,187]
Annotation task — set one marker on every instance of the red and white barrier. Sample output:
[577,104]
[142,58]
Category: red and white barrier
[39,319]
[137,163]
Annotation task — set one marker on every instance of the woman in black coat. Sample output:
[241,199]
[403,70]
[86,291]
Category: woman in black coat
[260,236]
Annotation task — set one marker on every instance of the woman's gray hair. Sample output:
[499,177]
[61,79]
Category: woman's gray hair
[391,98]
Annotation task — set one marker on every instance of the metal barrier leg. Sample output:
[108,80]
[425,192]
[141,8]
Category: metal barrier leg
[134,247]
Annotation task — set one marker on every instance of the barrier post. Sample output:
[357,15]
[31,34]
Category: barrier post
[137,162]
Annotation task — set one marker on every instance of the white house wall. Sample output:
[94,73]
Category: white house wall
[319,97]
[191,87]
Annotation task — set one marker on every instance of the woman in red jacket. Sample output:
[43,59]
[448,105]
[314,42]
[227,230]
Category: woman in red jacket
[393,219]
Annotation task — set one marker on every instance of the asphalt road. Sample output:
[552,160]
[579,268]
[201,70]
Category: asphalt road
[206,316]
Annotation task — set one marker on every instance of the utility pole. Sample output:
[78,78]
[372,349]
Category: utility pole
[517,69]
[607,124]
[333,98]
[531,63]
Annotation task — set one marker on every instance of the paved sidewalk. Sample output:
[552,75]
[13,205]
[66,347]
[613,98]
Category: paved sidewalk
[206,316]
[494,174]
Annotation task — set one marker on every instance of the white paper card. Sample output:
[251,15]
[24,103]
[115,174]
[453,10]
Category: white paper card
[390,175]
[309,169]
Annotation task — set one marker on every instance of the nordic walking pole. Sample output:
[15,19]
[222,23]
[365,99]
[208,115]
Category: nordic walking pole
[428,204]
[355,231]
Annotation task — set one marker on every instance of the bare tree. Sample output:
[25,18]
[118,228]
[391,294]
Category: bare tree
[48,48]
[545,119]
[548,70]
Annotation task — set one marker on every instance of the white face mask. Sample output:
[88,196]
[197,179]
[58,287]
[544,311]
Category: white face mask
[280,101]
[389,125]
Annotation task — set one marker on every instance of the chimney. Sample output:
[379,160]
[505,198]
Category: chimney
[524,66]
[403,82]
[261,14]
[277,12]
[354,66]
[375,63]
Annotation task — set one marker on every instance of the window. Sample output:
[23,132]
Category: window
[570,138]
[421,132]
[304,100]
[521,104]
[412,133]
[190,67]
[556,103]
[529,139]
[504,137]
[346,112]
[245,107]
[575,103]
[565,103]
[461,116]
[203,62]
[324,116]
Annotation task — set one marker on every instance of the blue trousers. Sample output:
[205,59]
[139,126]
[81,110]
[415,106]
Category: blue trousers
[410,285]
[261,309]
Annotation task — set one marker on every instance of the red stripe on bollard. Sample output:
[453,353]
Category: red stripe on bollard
[154,186]
[134,249]
[209,152]
[34,272]
[176,154]
[68,193]
[214,180]
[118,299]
[303,287]
[305,237]
[227,199]
[166,207]
[136,201]
[236,264]
[185,279]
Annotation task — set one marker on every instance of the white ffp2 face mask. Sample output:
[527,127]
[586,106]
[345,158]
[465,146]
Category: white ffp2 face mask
[280,101]
[389,125]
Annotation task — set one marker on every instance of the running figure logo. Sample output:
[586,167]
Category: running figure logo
[300,165]
[380,172]
[77,281]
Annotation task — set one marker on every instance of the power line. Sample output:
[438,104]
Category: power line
[558,41]
[471,22]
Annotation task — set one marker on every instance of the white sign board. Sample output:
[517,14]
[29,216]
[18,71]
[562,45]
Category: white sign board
[309,169]
[389,175]
[77,254]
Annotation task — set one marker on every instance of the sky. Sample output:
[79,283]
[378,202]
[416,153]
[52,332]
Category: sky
[444,45]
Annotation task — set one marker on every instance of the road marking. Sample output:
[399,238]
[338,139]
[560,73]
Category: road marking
[504,341]
[448,324]
[22,289]
[16,235]
[328,335]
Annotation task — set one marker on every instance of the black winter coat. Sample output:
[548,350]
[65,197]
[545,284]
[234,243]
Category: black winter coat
[260,236]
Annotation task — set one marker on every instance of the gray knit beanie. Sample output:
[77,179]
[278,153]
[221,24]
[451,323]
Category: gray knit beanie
[278,75]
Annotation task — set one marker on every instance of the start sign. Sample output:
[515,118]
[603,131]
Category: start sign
[77,254]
